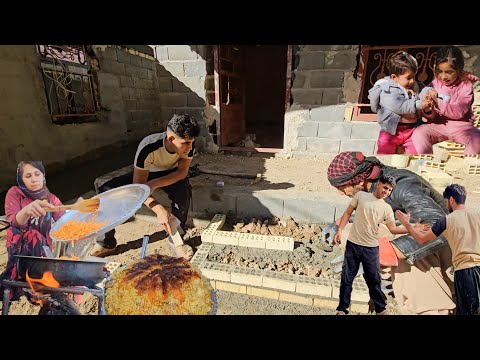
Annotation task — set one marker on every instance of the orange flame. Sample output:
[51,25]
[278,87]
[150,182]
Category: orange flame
[47,280]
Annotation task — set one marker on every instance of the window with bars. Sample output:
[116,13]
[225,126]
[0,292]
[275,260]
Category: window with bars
[67,77]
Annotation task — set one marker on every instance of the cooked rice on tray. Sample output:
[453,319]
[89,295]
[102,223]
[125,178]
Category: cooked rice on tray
[158,285]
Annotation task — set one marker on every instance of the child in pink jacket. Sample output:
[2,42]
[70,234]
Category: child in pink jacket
[450,116]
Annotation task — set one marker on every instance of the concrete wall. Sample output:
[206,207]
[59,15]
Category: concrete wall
[128,89]
[126,82]
[185,78]
[322,88]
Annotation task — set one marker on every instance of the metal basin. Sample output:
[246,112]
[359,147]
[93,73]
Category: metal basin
[66,272]
[116,207]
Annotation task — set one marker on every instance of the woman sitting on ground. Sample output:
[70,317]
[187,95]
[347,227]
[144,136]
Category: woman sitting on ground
[26,207]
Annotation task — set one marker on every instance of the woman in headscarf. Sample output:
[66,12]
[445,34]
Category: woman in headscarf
[26,208]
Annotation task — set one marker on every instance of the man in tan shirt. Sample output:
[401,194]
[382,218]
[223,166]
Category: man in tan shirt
[362,245]
[461,228]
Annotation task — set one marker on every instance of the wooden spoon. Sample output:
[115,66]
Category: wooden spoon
[89,205]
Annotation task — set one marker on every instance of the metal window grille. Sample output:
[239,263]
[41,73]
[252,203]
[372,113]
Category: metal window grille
[68,83]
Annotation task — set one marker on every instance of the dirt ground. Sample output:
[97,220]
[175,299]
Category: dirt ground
[310,257]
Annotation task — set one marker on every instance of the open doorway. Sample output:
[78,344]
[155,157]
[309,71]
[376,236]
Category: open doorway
[253,91]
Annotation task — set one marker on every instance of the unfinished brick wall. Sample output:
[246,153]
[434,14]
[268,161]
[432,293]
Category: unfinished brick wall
[185,78]
[128,88]
[322,88]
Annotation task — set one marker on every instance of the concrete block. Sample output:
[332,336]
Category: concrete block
[181,52]
[107,80]
[130,104]
[314,286]
[207,235]
[325,303]
[280,281]
[335,288]
[265,293]
[360,290]
[215,271]
[125,92]
[297,116]
[311,60]
[307,96]
[194,100]
[251,240]
[148,64]
[109,53]
[299,79]
[136,61]
[126,81]
[296,298]
[323,145]
[343,59]
[334,130]
[217,221]
[170,69]
[143,84]
[246,276]
[201,255]
[123,56]
[365,146]
[328,113]
[236,288]
[365,130]
[361,308]
[259,204]
[173,100]
[279,243]
[333,96]
[195,68]
[326,79]
[299,144]
[161,52]
[308,128]
[226,237]
[194,84]
[164,84]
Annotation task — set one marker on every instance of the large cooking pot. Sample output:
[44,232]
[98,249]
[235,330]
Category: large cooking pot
[66,272]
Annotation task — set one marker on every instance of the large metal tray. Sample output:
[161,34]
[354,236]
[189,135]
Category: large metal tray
[116,206]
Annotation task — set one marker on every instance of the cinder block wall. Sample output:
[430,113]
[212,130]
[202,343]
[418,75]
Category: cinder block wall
[128,87]
[186,85]
[129,107]
[322,87]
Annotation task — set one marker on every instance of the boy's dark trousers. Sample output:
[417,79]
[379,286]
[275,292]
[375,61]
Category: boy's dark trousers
[369,258]
[179,193]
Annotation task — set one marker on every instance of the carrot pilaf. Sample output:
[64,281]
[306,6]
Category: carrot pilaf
[77,229]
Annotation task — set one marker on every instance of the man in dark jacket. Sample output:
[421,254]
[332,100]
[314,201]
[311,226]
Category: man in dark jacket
[420,281]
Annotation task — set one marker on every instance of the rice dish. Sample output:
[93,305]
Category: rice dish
[158,285]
